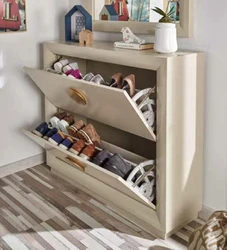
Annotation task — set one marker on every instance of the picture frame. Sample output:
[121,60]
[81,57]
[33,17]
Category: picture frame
[185,25]
[77,20]
[176,8]
[13,16]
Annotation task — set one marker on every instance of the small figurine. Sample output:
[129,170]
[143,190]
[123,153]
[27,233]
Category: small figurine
[86,37]
[129,37]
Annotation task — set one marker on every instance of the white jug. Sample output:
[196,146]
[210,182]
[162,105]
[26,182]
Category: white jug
[165,38]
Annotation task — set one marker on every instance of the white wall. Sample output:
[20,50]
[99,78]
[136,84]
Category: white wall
[21,103]
[210,37]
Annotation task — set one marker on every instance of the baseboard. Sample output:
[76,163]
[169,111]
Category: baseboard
[22,165]
[206,213]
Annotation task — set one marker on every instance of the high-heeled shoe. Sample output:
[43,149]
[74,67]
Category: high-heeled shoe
[116,81]
[129,84]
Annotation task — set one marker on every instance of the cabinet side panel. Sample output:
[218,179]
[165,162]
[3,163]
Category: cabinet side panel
[184,140]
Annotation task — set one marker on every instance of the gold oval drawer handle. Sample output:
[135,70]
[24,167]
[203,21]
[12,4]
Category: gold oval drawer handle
[78,96]
[72,162]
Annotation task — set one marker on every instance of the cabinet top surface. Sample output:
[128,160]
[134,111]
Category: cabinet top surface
[109,47]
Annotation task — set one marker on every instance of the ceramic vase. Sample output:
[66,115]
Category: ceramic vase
[165,38]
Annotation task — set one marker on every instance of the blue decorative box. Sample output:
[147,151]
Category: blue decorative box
[76,20]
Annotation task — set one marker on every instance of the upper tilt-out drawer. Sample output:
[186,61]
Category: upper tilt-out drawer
[107,105]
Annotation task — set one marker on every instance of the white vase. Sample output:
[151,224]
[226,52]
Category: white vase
[165,38]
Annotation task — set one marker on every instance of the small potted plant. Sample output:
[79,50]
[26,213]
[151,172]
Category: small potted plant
[165,32]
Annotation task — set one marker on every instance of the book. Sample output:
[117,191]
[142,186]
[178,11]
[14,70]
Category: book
[135,46]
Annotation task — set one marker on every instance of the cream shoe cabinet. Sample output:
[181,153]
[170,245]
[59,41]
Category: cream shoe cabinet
[177,144]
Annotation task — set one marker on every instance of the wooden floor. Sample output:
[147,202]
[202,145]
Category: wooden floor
[41,211]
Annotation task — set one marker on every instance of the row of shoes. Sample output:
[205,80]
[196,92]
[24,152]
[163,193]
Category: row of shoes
[66,124]
[64,67]
[140,178]
[127,83]
[142,98]
[56,137]
[81,140]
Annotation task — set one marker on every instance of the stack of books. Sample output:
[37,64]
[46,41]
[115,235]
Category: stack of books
[134,46]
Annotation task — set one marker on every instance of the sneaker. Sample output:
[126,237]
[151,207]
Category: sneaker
[65,123]
[57,117]
[117,165]
[41,130]
[58,66]
[75,74]
[57,138]
[102,157]
[67,143]
[88,77]
[77,147]
[88,152]
[50,133]
[98,79]
[90,135]
[69,66]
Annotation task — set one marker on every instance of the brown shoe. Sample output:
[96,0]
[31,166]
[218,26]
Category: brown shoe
[89,134]
[129,84]
[116,81]
[77,147]
[88,152]
[73,129]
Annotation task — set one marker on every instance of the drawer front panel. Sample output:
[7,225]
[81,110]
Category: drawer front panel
[108,193]
[90,169]
[107,105]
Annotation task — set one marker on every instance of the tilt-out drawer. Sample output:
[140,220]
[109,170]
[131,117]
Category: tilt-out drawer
[104,104]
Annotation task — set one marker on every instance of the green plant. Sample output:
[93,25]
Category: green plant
[166,16]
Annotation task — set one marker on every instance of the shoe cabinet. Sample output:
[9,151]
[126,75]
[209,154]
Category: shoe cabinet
[176,145]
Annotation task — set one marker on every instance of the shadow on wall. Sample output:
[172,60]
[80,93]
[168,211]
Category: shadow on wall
[1,71]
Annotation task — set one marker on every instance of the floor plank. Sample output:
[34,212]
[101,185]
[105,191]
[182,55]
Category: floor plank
[41,211]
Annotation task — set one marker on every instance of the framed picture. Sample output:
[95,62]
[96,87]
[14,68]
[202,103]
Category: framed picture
[12,15]
[77,20]
[176,10]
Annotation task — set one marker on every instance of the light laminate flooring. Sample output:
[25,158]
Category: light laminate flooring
[38,210]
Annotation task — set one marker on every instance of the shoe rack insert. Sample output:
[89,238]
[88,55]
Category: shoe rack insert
[177,145]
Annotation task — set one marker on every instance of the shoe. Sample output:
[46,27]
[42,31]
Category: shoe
[54,71]
[57,117]
[102,157]
[75,74]
[88,77]
[57,138]
[67,143]
[50,133]
[129,84]
[88,152]
[69,72]
[117,165]
[89,134]
[98,79]
[58,66]
[65,123]
[69,66]
[73,129]
[116,81]
[41,130]
[146,105]
[77,147]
